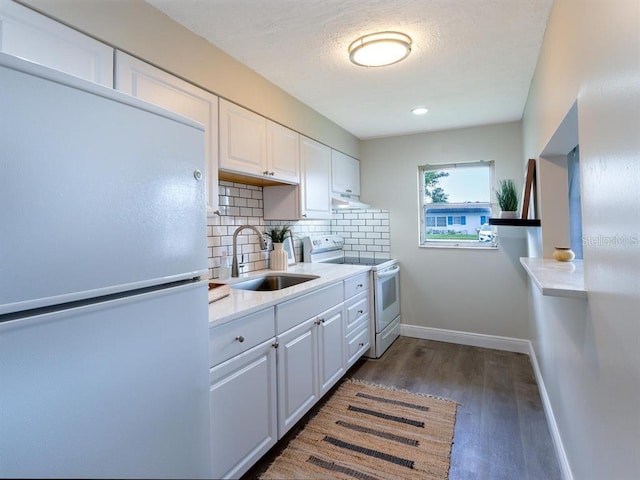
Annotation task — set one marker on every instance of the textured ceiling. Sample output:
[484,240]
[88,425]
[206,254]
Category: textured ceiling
[471,63]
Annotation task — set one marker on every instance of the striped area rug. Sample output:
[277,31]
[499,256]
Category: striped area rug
[371,432]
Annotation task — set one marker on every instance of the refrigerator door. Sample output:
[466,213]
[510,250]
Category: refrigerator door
[108,390]
[99,192]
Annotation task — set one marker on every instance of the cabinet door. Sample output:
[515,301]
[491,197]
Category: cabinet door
[283,153]
[315,179]
[243,410]
[345,174]
[297,374]
[156,86]
[30,35]
[242,140]
[331,347]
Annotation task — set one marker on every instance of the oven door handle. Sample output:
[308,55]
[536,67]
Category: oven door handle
[388,273]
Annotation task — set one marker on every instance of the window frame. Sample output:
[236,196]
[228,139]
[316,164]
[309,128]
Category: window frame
[423,242]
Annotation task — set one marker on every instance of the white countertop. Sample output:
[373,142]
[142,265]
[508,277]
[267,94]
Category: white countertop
[243,302]
[557,279]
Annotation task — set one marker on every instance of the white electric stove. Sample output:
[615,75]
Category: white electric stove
[385,320]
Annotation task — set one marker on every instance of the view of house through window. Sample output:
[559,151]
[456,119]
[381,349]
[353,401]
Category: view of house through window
[456,204]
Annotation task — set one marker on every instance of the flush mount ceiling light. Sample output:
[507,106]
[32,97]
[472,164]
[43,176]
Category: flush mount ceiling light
[419,110]
[380,49]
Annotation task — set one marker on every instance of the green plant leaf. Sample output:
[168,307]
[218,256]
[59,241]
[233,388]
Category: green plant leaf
[507,195]
[278,234]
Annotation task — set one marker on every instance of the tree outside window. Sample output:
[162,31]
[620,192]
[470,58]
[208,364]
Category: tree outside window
[456,204]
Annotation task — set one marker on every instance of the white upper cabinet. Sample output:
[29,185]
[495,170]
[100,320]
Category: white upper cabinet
[156,86]
[254,146]
[345,174]
[311,199]
[243,134]
[315,179]
[283,153]
[39,39]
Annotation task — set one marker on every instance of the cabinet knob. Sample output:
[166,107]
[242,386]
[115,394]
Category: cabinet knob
[361,344]
[217,212]
[275,344]
[265,172]
[348,190]
[304,215]
[272,173]
[319,321]
[360,285]
[360,312]
[240,338]
[197,174]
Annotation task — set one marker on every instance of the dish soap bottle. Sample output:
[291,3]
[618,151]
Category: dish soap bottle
[224,267]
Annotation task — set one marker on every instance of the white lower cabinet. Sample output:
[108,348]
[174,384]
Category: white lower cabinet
[243,410]
[358,342]
[297,373]
[270,367]
[357,306]
[331,354]
[310,361]
[311,354]
[243,397]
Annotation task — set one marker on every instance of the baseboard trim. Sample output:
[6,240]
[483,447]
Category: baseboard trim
[565,468]
[508,344]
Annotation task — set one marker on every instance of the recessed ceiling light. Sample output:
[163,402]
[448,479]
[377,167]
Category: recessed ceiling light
[419,110]
[380,49]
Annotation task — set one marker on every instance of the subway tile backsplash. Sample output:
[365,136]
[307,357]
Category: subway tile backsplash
[366,232]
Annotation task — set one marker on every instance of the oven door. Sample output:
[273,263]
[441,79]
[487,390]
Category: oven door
[387,296]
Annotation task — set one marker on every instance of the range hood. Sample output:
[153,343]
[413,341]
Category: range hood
[339,200]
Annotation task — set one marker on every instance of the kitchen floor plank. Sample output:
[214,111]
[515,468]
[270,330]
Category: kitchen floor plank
[501,431]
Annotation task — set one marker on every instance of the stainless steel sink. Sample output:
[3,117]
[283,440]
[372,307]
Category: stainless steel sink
[271,282]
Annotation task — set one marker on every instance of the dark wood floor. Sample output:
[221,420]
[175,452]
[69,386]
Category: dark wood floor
[501,431]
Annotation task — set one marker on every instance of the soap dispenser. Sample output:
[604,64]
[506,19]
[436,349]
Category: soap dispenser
[224,267]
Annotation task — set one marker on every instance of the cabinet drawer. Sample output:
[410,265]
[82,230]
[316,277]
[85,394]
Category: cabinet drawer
[356,307]
[356,285]
[240,335]
[357,343]
[291,313]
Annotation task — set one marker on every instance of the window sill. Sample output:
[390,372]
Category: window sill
[458,246]
[556,279]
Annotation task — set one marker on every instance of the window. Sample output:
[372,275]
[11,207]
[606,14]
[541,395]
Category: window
[575,202]
[455,205]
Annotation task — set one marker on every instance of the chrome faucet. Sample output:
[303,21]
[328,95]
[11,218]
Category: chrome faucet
[234,262]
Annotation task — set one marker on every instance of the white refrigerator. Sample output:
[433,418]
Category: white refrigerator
[103,318]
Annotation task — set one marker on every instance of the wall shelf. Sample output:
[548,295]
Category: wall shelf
[515,222]
[556,279]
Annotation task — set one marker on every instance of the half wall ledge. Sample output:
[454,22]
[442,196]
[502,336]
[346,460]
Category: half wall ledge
[556,279]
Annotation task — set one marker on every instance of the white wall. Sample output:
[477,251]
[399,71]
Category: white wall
[477,291]
[589,352]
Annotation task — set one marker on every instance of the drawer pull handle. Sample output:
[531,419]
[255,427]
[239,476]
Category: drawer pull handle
[240,338]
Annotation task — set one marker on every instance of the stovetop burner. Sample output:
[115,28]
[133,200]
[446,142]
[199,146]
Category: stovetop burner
[356,261]
[330,249]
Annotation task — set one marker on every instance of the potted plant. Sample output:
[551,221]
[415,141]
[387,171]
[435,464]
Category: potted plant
[278,259]
[507,196]
[278,235]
